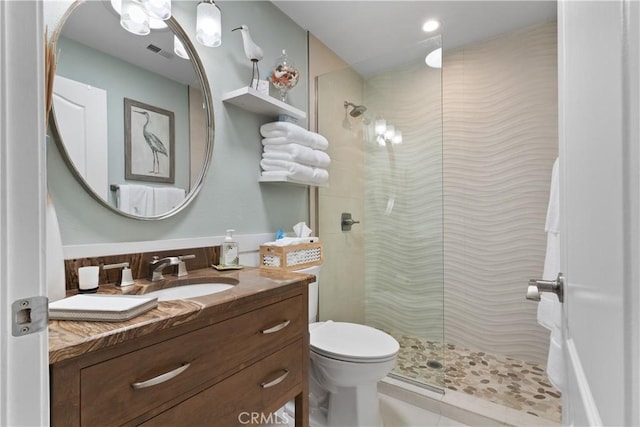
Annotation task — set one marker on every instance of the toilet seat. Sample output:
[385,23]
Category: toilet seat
[351,342]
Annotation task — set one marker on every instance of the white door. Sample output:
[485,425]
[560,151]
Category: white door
[81,117]
[598,88]
[23,359]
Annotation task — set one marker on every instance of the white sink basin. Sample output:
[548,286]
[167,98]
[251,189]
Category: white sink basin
[189,291]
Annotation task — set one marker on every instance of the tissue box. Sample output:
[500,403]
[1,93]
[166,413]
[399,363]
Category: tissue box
[290,258]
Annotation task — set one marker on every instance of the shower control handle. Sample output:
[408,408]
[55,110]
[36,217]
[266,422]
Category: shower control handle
[536,286]
[346,221]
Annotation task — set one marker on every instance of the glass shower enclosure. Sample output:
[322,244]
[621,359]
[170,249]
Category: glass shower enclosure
[385,127]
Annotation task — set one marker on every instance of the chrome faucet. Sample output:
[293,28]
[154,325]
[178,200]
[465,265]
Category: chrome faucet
[156,265]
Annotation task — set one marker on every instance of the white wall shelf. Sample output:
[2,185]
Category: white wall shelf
[251,100]
[284,178]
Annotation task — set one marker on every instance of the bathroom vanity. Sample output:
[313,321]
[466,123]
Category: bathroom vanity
[215,360]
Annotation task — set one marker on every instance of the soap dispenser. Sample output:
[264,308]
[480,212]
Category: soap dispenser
[229,251]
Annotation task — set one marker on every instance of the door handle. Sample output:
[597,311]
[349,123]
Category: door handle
[537,286]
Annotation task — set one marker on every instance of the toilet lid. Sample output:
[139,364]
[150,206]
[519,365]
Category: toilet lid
[352,342]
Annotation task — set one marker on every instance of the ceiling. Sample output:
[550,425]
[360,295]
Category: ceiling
[365,33]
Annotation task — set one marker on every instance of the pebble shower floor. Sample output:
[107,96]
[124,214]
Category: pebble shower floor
[519,385]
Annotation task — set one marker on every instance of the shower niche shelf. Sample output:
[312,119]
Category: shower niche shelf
[250,99]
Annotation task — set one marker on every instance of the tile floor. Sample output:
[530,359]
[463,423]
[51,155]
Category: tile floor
[397,413]
[513,383]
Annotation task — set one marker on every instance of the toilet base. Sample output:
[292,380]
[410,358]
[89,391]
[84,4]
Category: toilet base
[345,406]
[354,406]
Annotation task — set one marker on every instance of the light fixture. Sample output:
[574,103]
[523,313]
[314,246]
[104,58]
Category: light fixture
[133,18]
[380,127]
[386,133]
[159,9]
[208,24]
[389,133]
[430,26]
[141,16]
[178,48]
[397,138]
[154,24]
[434,58]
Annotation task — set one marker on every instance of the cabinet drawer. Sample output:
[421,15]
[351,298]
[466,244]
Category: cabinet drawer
[107,392]
[265,384]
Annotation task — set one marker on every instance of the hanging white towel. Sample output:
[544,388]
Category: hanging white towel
[549,308]
[555,369]
[135,199]
[293,133]
[166,198]
[297,153]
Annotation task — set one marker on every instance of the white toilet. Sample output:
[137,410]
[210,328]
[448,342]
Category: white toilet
[347,361]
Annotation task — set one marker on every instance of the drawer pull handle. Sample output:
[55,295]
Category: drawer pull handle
[276,381]
[161,378]
[276,328]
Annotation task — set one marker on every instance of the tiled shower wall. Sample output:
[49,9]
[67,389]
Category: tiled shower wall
[342,280]
[500,142]
[484,180]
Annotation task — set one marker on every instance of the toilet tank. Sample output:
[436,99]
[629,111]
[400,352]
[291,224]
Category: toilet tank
[313,291]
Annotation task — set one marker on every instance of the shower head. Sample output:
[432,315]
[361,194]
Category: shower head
[357,111]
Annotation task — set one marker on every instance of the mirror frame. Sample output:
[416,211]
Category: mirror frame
[210,126]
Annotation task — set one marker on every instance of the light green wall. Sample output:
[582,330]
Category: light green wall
[90,66]
[231,196]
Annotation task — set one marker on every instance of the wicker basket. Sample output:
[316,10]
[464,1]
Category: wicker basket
[289,258]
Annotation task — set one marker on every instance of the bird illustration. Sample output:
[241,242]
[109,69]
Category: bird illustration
[252,51]
[154,143]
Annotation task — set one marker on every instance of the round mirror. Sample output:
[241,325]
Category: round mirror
[132,115]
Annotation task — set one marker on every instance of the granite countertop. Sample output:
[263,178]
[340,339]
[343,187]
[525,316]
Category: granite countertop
[68,339]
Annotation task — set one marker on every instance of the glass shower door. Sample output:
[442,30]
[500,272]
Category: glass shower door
[385,133]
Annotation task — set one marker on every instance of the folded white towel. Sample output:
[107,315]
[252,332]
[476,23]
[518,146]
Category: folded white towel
[293,133]
[135,199]
[319,177]
[297,153]
[296,171]
[166,198]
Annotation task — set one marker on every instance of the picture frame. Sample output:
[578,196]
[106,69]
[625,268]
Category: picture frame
[149,138]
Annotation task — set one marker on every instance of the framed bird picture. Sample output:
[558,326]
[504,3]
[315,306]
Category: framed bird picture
[149,139]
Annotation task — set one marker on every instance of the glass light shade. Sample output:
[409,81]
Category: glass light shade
[397,137]
[434,58]
[154,24]
[430,26]
[209,24]
[159,9]
[133,18]
[178,48]
[390,132]
[380,126]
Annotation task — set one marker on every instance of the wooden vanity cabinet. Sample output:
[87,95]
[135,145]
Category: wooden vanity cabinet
[220,373]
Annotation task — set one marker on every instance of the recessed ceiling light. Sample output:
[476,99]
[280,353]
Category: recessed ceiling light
[430,26]
[434,58]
